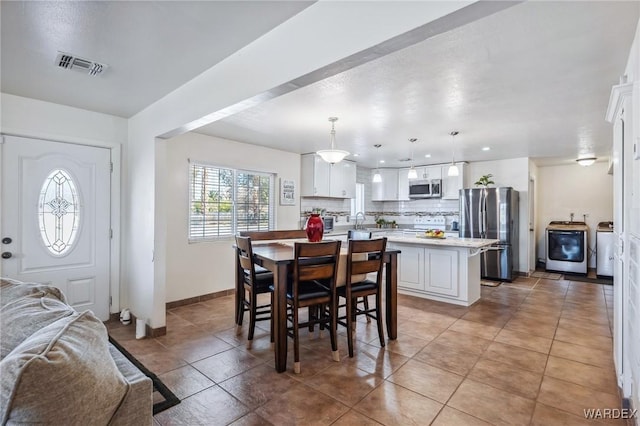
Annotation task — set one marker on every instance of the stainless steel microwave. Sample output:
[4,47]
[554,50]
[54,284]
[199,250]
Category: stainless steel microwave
[419,189]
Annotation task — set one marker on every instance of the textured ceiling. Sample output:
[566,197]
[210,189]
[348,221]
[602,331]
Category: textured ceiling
[530,81]
[151,47]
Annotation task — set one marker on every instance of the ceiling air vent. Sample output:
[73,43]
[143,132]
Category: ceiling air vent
[70,62]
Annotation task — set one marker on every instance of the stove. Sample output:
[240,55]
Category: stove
[567,247]
[422,223]
[429,222]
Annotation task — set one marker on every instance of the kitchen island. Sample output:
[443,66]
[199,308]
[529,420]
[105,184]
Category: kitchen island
[446,270]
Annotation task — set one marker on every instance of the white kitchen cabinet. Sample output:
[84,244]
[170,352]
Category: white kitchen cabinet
[403,185]
[342,179]
[322,179]
[387,190]
[411,267]
[429,172]
[451,185]
[429,270]
[441,271]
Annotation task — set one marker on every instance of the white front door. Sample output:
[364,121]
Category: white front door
[56,218]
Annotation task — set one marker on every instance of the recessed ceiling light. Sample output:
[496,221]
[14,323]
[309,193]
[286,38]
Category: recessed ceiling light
[486,148]
[381,161]
[356,155]
[427,156]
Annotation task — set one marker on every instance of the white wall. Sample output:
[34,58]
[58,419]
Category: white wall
[207,267]
[575,189]
[45,120]
[513,172]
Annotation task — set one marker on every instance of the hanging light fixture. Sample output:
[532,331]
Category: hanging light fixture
[413,174]
[377,177]
[332,155]
[586,161]
[453,169]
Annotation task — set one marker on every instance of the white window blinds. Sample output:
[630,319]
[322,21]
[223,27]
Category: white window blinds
[225,201]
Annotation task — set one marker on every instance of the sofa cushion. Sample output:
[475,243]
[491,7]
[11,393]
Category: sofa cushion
[11,290]
[62,374]
[22,317]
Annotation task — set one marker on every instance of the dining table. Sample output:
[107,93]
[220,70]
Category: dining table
[277,256]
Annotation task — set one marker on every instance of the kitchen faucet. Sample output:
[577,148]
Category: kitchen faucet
[363,219]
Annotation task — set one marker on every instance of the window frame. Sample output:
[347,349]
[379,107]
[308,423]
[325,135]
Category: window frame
[235,228]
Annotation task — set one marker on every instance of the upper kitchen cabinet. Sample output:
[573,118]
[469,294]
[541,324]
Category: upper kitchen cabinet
[403,184]
[387,190]
[342,179]
[451,185]
[322,179]
[429,172]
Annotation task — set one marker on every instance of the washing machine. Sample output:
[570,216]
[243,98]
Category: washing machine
[567,245]
[604,249]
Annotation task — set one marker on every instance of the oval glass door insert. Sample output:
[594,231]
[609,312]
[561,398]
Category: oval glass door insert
[59,211]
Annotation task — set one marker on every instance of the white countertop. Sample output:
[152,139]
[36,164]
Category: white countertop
[444,242]
[408,236]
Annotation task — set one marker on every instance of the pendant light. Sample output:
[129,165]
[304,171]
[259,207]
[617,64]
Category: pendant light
[586,161]
[377,177]
[413,174]
[332,155]
[453,169]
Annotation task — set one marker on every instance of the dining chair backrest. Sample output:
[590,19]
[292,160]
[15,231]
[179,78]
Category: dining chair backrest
[316,261]
[245,256]
[357,265]
[275,235]
[357,234]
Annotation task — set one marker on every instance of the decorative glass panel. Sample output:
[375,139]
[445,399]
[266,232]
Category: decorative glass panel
[59,211]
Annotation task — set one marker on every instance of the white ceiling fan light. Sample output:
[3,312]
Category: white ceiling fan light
[453,169]
[586,161]
[413,174]
[87,66]
[377,177]
[332,155]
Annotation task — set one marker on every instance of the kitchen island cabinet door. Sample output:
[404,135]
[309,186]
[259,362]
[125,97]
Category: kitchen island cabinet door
[410,267]
[441,271]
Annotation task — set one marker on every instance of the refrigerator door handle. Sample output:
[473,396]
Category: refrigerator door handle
[483,217]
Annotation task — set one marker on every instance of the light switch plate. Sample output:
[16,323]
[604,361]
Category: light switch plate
[636,149]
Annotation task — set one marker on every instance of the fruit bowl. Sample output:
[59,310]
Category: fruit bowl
[434,233]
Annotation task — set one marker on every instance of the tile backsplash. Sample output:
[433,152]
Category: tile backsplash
[403,212]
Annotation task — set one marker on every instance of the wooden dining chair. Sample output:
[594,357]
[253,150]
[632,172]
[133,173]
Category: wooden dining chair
[315,271]
[254,283]
[357,265]
[359,234]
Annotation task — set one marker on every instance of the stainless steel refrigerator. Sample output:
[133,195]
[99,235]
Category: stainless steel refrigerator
[492,213]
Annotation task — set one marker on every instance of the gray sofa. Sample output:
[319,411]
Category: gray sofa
[58,367]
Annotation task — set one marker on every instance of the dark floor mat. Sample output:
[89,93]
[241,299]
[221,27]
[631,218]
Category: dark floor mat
[163,398]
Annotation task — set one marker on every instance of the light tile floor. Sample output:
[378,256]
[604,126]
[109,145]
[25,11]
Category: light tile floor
[533,352]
